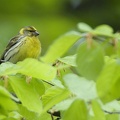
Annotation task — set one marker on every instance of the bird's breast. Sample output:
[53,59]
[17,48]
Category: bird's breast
[31,48]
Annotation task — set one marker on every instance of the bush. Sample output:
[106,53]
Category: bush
[77,78]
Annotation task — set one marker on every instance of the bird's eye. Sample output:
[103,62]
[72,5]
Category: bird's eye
[31,31]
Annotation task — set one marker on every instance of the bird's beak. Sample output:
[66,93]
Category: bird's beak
[36,33]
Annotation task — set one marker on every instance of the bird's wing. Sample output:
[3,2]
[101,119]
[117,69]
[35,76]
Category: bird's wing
[11,43]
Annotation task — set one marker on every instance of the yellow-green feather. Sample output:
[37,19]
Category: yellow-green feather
[31,48]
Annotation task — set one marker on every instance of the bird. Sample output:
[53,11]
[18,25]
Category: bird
[25,44]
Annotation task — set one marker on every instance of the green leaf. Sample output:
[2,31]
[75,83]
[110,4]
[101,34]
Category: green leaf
[84,27]
[27,114]
[90,60]
[118,48]
[81,87]
[38,85]
[63,105]
[104,30]
[98,113]
[34,68]
[27,93]
[14,115]
[77,111]
[2,117]
[53,96]
[110,49]
[45,116]
[8,68]
[113,106]
[69,60]
[60,46]
[108,82]
[30,67]
[57,83]
[4,92]
[5,100]
[112,117]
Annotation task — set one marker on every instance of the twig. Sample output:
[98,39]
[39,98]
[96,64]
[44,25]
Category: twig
[116,112]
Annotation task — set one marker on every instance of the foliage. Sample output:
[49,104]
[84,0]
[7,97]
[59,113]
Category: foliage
[81,86]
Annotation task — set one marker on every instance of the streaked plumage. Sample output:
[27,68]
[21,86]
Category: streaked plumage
[25,45]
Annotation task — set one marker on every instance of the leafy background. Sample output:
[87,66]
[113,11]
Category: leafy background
[54,17]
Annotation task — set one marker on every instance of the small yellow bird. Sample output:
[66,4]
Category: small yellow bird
[25,45]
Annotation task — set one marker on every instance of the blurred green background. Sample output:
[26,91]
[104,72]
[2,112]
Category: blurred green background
[54,17]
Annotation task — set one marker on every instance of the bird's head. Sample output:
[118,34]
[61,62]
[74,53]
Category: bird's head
[29,31]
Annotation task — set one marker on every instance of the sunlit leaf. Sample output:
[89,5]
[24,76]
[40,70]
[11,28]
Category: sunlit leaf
[27,93]
[77,111]
[27,114]
[38,85]
[69,60]
[37,69]
[2,117]
[30,67]
[53,96]
[14,116]
[104,30]
[110,49]
[112,117]
[58,83]
[98,113]
[5,100]
[81,87]
[112,106]
[108,83]
[8,68]
[45,116]
[90,60]
[60,46]
[84,27]
[63,105]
